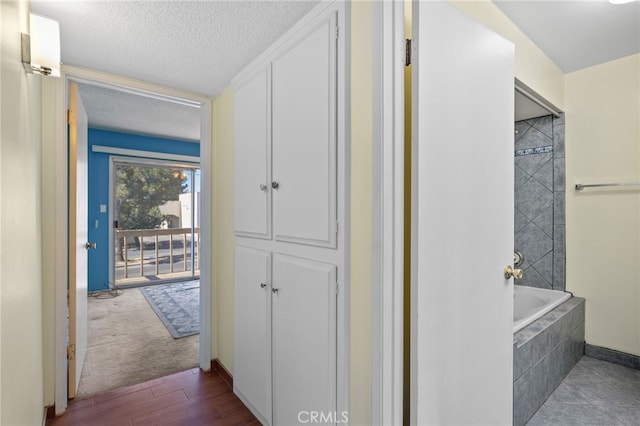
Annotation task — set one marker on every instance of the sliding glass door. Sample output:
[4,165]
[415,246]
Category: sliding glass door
[156,222]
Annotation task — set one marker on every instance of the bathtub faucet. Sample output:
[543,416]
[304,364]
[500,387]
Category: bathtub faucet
[518,258]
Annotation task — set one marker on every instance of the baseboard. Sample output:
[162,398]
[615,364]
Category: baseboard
[224,373]
[610,355]
[48,414]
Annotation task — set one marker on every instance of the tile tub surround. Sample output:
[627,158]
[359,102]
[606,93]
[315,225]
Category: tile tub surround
[543,354]
[539,201]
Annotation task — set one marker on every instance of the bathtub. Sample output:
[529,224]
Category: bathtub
[530,303]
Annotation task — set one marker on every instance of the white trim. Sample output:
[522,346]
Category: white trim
[144,89]
[343,131]
[134,87]
[388,213]
[145,154]
[61,243]
[206,250]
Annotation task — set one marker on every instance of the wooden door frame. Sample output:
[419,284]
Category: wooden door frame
[62,214]
[388,213]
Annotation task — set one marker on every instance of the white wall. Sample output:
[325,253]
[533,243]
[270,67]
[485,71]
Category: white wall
[223,236]
[21,351]
[532,66]
[361,212]
[48,244]
[603,226]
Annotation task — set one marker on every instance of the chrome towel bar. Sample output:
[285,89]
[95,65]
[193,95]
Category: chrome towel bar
[580,187]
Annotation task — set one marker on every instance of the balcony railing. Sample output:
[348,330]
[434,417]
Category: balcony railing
[156,254]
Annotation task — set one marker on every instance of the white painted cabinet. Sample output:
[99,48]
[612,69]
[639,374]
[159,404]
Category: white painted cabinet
[285,143]
[304,135]
[304,338]
[252,362]
[285,335]
[252,177]
[290,192]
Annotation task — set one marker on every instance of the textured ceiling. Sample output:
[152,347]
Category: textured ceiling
[110,109]
[197,46]
[578,34]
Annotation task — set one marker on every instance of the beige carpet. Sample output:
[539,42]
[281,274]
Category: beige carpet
[128,344]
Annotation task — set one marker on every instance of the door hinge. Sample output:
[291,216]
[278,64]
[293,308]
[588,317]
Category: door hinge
[337,227]
[337,32]
[335,287]
[407,52]
[71,352]
[68,116]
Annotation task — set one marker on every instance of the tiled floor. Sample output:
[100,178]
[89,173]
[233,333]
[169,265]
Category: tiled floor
[188,398]
[594,393]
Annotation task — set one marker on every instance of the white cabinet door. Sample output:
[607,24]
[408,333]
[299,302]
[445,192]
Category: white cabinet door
[304,139]
[252,378]
[462,307]
[303,339]
[252,157]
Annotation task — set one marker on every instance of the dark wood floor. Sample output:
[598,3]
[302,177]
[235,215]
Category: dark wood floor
[189,398]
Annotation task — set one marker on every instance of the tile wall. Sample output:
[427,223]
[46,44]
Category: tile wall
[539,201]
[543,354]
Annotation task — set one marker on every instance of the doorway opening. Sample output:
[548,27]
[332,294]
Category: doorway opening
[137,101]
[153,302]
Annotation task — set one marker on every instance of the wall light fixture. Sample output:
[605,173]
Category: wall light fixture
[41,48]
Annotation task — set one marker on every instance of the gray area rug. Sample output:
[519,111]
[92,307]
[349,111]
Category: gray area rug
[177,305]
[128,344]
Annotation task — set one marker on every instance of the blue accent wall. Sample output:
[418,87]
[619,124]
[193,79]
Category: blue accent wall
[98,275]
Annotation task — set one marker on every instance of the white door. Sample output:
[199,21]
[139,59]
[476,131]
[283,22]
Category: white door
[304,139]
[462,305]
[78,234]
[252,379]
[303,340]
[252,179]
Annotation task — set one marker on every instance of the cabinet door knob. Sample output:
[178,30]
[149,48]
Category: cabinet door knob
[263,187]
[275,184]
[262,285]
[274,290]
